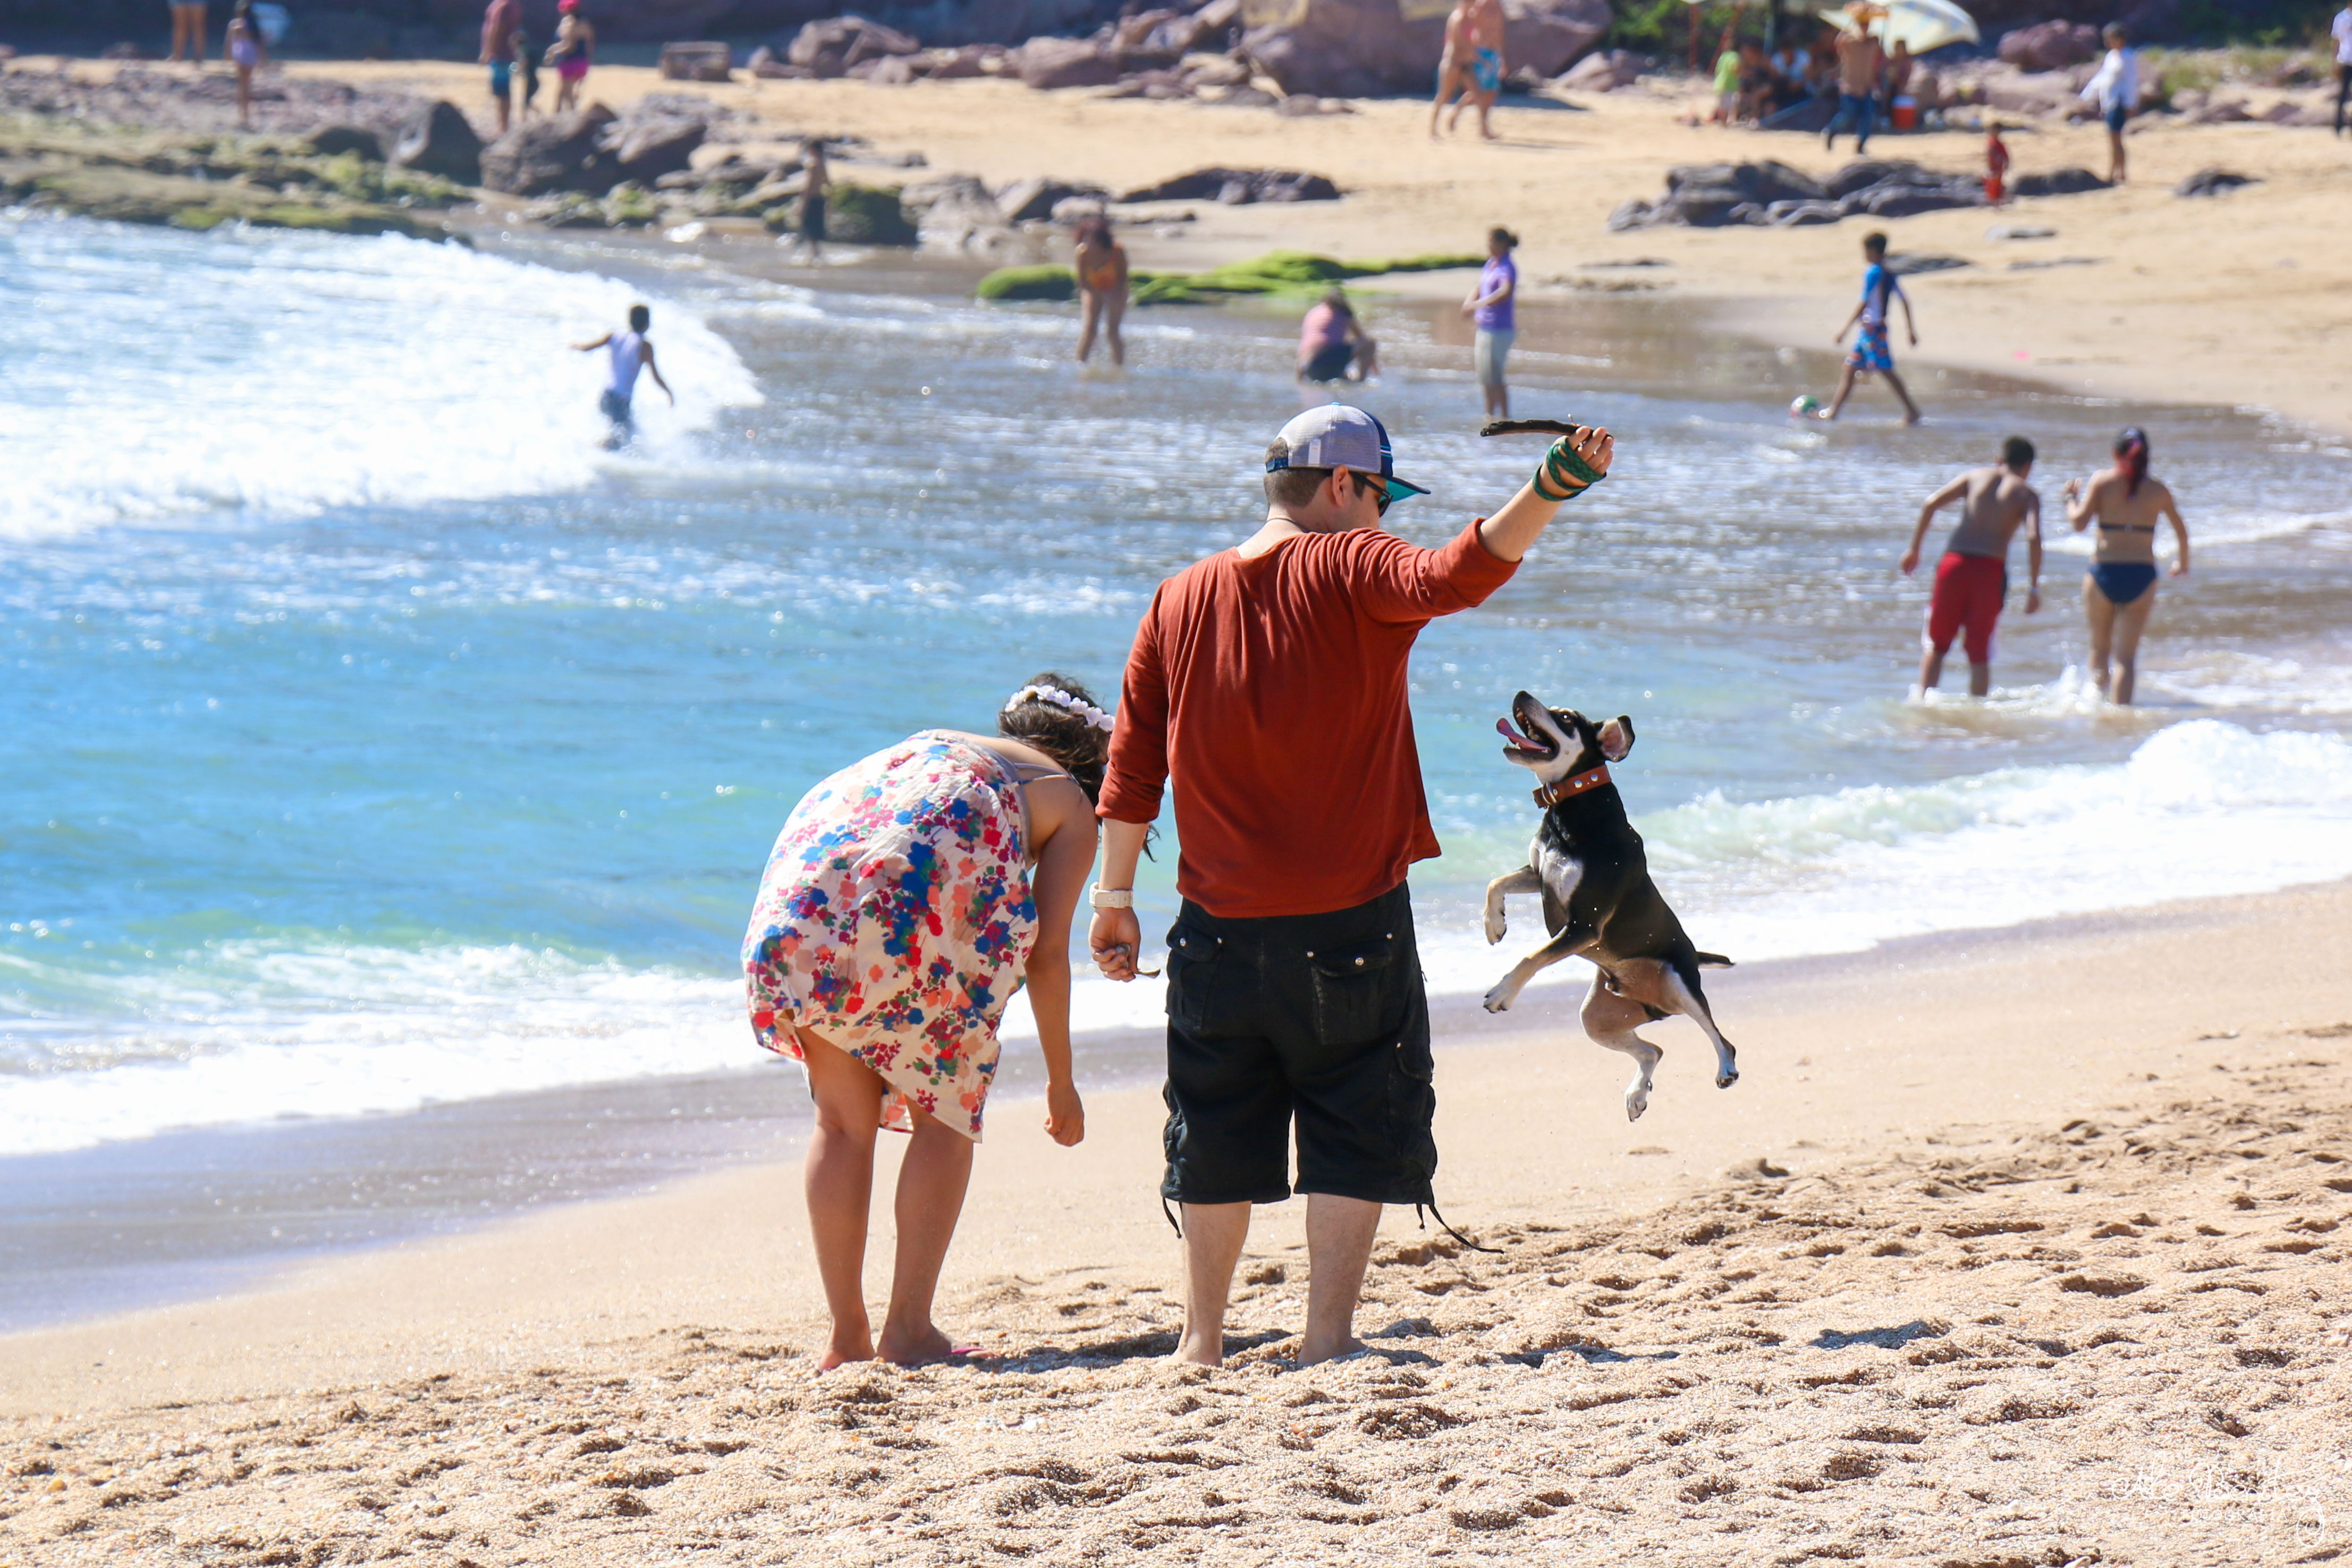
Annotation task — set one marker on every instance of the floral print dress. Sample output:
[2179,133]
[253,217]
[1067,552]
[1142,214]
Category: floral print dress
[896,920]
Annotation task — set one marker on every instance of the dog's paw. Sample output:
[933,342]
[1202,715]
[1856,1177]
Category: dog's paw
[1495,927]
[1726,1078]
[1497,1000]
[1634,1106]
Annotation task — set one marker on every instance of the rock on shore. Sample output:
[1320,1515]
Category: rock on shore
[1767,193]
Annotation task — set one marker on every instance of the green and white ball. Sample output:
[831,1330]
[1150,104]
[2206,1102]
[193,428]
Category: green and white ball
[1804,405]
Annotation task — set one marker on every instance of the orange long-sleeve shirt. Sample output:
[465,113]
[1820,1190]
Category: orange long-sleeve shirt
[1272,694]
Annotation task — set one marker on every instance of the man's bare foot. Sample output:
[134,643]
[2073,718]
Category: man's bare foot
[1199,1353]
[845,1347]
[913,1349]
[1311,1355]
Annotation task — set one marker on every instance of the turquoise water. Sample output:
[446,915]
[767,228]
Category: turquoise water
[374,737]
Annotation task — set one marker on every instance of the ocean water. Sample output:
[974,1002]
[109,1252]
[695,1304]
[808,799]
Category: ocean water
[375,738]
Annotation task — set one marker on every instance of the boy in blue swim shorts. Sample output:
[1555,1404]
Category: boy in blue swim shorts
[1472,64]
[1874,353]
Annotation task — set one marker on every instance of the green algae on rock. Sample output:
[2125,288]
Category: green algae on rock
[1275,273]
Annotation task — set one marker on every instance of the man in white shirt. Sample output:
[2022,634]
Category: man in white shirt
[2115,89]
[2343,33]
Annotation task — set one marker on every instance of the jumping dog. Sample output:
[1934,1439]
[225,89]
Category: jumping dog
[1598,900]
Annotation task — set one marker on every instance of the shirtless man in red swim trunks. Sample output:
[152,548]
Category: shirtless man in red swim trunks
[1973,577]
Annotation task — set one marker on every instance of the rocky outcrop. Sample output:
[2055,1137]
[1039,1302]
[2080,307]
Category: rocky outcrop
[1547,36]
[1353,48]
[338,139]
[2051,46]
[2214,182]
[1711,196]
[1603,70]
[866,215]
[441,141]
[956,212]
[559,152]
[832,46]
[1238,187]
[646,151]
[1049,63]
[1025,199]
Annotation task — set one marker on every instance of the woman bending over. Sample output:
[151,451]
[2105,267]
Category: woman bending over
[908,896]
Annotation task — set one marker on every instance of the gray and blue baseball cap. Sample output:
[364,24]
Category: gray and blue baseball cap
[1339,436]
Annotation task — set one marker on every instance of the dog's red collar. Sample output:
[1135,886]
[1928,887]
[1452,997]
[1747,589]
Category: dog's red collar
[1551,795]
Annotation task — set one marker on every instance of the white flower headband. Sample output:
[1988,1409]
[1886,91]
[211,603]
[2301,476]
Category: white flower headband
[1062,699]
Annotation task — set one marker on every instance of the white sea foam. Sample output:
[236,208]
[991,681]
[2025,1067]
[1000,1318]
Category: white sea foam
[303,372]
[2203,809]
[244,1038]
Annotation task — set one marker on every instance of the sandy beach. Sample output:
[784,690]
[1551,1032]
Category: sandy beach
[2041,1264]
[2018,1246]
[2239,299]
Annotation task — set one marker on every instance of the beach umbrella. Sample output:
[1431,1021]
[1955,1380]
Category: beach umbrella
[1923,25]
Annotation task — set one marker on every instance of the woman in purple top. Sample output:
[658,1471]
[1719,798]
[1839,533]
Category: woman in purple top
[1490,306]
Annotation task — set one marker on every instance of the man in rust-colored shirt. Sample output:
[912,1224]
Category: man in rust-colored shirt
[1267,685]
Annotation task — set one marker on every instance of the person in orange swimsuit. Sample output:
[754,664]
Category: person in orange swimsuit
[1101,268]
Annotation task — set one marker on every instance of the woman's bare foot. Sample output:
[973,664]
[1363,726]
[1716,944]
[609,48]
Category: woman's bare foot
[913,1349]
[845,1346]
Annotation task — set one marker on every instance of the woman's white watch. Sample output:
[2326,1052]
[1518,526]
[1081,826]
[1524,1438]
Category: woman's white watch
[1103,897]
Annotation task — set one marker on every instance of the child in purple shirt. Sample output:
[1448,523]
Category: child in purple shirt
[1490,308]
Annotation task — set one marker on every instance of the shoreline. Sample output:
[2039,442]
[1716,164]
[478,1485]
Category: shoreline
[546,1156]
[496,1184]
[2013,1274]
[2103,307]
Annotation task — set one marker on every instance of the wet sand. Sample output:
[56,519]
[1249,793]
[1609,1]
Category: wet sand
[2055,1274]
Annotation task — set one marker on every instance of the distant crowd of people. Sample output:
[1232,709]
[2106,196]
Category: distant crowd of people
[1848,73]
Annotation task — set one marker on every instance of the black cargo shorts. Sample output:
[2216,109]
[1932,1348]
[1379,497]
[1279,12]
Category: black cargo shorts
[1320,1018]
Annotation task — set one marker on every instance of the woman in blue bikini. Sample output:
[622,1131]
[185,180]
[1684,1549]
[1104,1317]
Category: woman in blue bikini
[2119,590]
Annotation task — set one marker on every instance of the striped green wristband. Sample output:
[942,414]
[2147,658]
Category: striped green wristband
[1564,475]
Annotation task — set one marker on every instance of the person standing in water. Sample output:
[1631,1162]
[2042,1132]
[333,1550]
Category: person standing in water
[907,898]
[1099,263]
[2119,590]
[816,184]
[1874,353]
[1492,308]
[630,352]
[1972,580]
[573,51]
[248,54]
[188,31]
[2115,91]
[1332,344]
[499,24]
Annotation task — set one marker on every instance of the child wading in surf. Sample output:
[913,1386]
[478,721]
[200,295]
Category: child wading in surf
[630,352]
[1872,352]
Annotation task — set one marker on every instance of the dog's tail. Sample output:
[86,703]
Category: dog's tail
[1713,961]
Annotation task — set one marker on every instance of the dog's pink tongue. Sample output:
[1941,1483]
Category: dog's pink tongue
[1503,727]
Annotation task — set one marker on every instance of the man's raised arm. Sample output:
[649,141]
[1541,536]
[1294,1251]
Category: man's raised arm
[1568,469]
